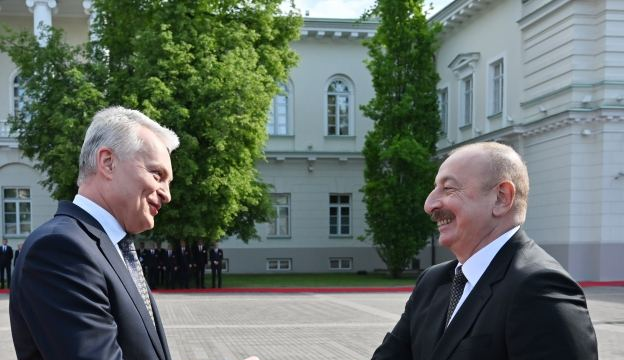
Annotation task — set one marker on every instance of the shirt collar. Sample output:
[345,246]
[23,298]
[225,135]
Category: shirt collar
[111,226]
[476,265]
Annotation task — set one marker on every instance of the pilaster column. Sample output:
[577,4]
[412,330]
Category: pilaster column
[42,15]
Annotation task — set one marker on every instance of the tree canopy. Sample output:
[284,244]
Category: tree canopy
[399,171]
[206,69]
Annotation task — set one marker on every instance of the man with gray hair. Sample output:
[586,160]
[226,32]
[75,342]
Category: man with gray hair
[503,297]
[79,292]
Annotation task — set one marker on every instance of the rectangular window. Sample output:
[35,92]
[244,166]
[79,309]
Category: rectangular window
[16,210]
[225,265]
[279,264]
[497,71]
[443,104]
[280,226]
[340,263]
[466,109]
[340,214]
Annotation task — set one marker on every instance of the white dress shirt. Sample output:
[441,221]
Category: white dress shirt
[111,226]
[476,265]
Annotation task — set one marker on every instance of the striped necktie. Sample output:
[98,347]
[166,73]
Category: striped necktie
[134,267]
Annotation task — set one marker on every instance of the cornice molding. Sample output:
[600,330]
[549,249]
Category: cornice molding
[571,119]
[458,12]
[352,29]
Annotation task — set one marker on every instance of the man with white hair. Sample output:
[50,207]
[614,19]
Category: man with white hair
[79,288]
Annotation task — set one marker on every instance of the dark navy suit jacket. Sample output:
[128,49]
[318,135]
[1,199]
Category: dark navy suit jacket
[524,306]
[73,297]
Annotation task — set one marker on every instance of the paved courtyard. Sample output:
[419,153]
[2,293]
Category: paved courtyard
[308,326]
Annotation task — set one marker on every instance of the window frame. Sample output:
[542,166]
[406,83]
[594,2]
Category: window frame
[466,103]
[276,208]
[339,217]
[443,109]
[18,201]
[350,107]
[279,262]
[340,260]
[496,91]
[273,125]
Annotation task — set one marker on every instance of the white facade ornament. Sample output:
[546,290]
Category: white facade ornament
[42,16]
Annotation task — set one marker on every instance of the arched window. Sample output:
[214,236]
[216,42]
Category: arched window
[18,96]
[339,107]
[279,113]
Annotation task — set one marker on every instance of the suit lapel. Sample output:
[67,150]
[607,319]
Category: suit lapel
[477,299]
[91,226]
[436,317]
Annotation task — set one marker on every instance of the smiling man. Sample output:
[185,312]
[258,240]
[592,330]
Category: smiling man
[503,297]
[79,291]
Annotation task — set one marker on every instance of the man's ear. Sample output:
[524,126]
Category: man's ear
[105,162]
[505,195]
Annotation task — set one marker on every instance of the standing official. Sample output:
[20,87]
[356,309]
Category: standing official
[185,262]
[150,263]
[216,264]
[171,268]
[200,256]
[6,255]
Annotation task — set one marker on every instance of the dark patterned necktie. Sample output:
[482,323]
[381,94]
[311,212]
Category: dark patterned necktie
[134,266]
[457,289]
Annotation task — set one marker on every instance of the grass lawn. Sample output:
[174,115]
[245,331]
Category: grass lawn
[311,280]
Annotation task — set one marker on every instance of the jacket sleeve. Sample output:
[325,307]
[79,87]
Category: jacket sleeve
[549,320]
[63,305]
[396,345]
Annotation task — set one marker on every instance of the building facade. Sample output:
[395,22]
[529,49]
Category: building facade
[313,155]
[314,160]
[546,77]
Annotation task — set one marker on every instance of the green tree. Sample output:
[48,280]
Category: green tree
[206,69]
[398,151]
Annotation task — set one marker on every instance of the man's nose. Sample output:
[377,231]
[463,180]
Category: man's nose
[431,203]
[164,193]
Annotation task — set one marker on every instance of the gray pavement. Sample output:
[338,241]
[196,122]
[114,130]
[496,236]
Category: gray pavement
[308,326]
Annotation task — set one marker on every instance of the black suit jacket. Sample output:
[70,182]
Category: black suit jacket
[6,256]
[200,257]
[73,297]
[525,306]
[216,256]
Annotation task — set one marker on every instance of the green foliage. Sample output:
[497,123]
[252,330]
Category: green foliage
[398,151]
[206,69]
[61,95]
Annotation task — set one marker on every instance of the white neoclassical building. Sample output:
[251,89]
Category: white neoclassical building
[547,77]
[314,160]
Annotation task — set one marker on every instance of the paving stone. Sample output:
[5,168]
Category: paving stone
[308,326]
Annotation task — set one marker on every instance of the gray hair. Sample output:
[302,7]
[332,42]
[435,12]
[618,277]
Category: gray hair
[117,128]
[506,165]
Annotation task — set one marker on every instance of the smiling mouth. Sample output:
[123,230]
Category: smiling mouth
[442,217]
[154,209]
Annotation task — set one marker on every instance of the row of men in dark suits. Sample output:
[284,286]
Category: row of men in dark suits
[174,268]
